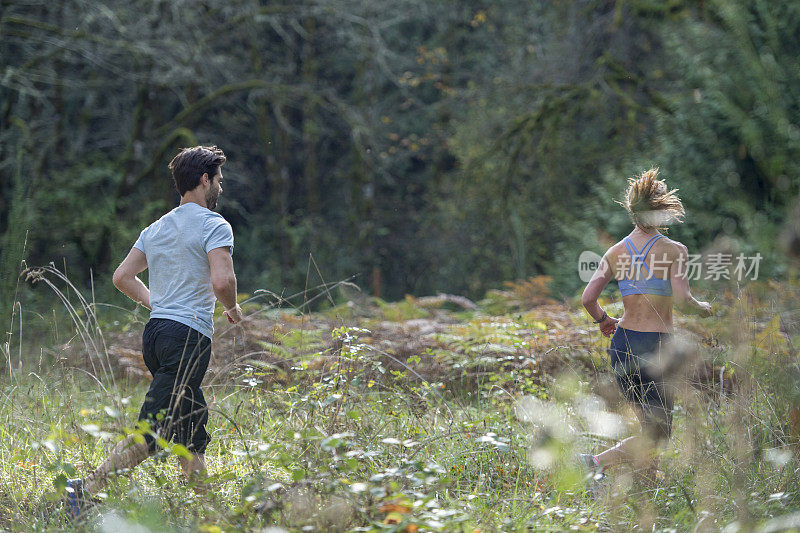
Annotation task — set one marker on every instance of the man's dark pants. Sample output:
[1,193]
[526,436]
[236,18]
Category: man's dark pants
[177,356]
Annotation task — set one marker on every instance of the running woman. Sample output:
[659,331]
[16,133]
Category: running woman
[188,255]
[652,276]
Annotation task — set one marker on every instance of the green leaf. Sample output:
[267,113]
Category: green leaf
[60,482]
[181,451]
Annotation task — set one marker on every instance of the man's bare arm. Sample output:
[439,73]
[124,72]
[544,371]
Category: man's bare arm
[223,279]
[126,280]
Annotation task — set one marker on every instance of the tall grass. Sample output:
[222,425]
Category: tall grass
[349,420]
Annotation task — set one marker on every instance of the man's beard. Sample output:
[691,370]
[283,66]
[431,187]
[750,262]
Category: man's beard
[211,199]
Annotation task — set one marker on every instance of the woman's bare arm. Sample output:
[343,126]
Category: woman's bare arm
[591,293]
[679,278]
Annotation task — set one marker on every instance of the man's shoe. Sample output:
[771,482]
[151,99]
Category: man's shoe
[76,500]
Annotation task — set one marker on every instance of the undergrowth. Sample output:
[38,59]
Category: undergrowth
[412,417]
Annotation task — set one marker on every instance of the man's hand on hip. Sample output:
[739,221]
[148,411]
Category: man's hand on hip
[234,314]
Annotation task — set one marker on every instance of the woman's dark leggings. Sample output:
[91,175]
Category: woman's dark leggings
[636,360]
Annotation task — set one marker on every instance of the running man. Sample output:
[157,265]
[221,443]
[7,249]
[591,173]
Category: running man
[188,254]
[652,275]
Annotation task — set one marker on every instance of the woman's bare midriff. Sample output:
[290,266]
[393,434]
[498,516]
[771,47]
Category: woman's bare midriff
[647,312]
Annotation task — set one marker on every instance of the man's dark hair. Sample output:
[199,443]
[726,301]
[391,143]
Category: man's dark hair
[191,163]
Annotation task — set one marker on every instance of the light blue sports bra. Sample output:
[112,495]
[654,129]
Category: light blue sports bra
[636,285]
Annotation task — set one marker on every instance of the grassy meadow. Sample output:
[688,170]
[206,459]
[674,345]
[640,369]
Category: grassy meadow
[428,414]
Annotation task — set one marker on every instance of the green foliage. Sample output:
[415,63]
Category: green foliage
[412,147]
[476,431]
[405,310]
[730,132]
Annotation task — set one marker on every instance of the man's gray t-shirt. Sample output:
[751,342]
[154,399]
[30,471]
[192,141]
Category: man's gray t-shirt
[176,246]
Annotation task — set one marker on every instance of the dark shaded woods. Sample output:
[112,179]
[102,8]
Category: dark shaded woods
[418,146]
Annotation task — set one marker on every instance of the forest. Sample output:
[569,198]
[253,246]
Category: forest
[411,147]
[412,187]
